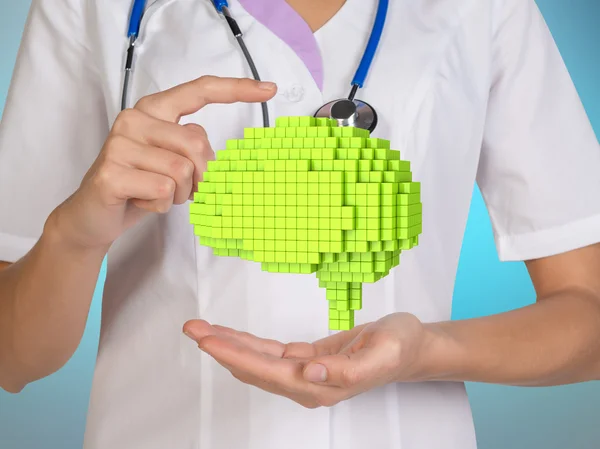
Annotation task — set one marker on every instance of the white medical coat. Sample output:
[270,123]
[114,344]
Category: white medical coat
[467,90]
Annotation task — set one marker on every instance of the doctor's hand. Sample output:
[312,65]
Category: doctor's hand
[149,162]
[328,371]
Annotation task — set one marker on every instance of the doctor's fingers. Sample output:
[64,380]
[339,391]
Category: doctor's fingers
[307,395]
[263,345]
[270,387]
[200,329]
[149,191]
[172,168]
[272,374]
[302,399]
[294,350]
[187,98]
[189,140]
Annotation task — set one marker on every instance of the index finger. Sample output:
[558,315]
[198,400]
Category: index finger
[185,99]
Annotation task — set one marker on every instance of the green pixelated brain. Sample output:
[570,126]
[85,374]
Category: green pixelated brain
[309,197]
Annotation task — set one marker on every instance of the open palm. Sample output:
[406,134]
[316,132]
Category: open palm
[322,373]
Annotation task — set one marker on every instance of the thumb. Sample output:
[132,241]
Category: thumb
[346,370]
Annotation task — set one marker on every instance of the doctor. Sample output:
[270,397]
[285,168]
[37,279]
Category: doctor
[470,91]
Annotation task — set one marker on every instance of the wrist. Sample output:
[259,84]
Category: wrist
[440,355]
[60,234]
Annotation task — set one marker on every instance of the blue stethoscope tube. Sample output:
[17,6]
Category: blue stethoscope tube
[135,20]
[367,59]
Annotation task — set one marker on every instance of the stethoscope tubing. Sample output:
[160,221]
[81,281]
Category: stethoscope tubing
[222,7]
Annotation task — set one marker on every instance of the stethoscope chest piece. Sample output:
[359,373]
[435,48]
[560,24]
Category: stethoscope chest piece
[347,112]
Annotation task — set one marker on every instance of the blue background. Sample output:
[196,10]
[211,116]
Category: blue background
[51,413]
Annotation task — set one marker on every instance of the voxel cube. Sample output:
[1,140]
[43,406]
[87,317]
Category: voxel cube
[306,197]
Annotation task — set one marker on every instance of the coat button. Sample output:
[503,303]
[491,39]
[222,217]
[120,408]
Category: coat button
[295,93]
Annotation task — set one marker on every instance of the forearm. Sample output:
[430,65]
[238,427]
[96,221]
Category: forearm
[44,303]
[554,341]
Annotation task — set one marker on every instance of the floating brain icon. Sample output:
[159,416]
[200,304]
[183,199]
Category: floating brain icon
[308,197]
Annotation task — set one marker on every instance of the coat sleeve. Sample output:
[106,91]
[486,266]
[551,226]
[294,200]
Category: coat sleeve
[54,122]
[539,171]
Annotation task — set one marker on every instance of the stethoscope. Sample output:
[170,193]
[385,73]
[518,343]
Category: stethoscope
[346,111]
